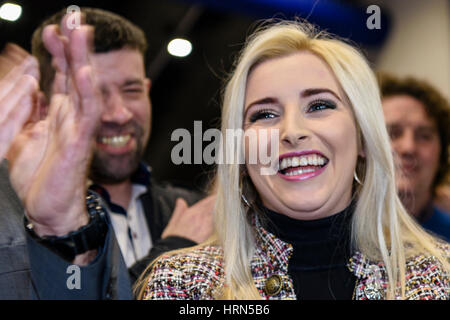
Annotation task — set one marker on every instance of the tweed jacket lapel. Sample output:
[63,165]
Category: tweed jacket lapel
[271,259]
[425,278]
[371,278]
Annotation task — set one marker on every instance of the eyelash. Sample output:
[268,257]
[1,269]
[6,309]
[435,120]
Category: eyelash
[268,114]
[320,103]
[262,114]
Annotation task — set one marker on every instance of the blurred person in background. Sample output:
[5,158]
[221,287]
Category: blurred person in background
[418,121]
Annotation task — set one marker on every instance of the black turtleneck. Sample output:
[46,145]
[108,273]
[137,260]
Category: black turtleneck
[318,265]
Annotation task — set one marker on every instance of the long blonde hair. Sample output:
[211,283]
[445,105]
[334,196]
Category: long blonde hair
[381,228]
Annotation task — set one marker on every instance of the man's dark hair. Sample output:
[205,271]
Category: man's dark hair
[112,32]
[436,106]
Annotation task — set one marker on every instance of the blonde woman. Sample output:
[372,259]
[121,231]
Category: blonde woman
[328,224]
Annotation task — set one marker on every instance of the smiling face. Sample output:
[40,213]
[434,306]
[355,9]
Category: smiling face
[299,95]
[125,121]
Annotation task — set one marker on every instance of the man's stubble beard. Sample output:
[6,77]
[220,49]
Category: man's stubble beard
[107,169]
[114,169]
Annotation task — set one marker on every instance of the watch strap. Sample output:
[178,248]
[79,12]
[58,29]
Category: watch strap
[88,237]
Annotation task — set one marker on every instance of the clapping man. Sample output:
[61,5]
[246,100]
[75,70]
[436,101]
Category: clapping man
[140,208]
[103,105]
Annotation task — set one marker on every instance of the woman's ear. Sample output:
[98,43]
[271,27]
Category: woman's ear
[361,152]
[361,146]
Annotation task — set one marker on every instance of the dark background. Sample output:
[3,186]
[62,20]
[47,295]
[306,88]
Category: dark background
[188,89]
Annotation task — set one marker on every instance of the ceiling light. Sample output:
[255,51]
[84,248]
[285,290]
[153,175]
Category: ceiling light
[10,11]
[179,47]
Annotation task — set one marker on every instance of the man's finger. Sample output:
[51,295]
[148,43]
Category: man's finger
[15,50]
[24,86]
[89,99]
[86,97]
[32,68]
[55,44]
[10,59]
[14,53]
[15,121]
[80,46]
[79,40]
[10,81]
[58,111]
[15,56]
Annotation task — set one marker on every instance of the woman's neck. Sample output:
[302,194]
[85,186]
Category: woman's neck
[317,243]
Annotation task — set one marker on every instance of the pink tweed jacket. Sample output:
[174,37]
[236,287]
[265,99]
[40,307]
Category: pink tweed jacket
[196,274]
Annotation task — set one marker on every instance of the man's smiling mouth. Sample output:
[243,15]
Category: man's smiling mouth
[115,141]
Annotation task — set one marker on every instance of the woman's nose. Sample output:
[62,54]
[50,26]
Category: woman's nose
[293,130]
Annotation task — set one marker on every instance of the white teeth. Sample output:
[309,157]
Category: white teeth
[302,161]
[116,141]
[299,171]
[283,163]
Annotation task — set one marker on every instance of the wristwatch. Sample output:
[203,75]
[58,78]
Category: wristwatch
[88,237]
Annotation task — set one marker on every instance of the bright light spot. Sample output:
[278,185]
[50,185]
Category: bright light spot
[179,47]
[10,11]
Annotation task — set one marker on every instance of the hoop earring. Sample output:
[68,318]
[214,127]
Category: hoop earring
[355,176]
[245,200]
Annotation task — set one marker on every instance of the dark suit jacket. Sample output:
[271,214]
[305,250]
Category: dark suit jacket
[14,266]
[29,270]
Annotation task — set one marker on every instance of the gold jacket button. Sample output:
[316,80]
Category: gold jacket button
[273,285]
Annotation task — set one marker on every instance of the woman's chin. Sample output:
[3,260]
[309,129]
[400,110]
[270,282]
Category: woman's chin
[307,210]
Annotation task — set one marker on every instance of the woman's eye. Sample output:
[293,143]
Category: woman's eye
[261,115]
[321,105]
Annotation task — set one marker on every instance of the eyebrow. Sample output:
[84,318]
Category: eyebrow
[314,91]
[130,82]
[304,94]
[425,127]
[267,100]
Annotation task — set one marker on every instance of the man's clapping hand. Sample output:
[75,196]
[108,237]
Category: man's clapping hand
[49,158]
[18,92]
